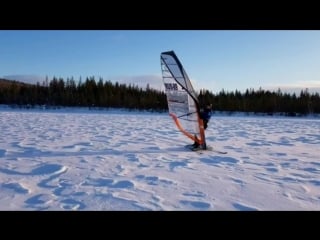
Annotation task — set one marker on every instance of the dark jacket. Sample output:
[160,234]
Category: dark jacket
[205,114]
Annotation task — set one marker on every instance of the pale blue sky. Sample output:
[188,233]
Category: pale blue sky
[213,59]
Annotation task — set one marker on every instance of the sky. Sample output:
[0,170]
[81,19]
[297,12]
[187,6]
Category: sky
[76,159]
[213,59]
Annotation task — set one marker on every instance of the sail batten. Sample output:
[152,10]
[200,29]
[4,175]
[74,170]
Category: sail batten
[182,100]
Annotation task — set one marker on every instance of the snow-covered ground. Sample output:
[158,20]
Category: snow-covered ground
[102,160]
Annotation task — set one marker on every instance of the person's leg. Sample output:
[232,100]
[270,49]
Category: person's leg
[205,124]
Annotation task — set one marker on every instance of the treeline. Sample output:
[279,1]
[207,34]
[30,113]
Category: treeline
[104,94]
[261,101]
[88,93]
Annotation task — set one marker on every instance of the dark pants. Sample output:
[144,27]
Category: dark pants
[205,124]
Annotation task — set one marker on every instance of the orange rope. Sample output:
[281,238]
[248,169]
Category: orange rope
[200,141]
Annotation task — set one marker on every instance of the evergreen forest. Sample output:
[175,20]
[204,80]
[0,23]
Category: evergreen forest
[94,93]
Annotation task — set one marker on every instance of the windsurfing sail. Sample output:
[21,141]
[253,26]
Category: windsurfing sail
[182,100]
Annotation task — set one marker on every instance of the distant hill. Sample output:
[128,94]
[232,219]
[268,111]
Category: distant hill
[4,83]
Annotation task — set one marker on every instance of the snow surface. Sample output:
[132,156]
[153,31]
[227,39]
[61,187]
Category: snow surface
[109,160]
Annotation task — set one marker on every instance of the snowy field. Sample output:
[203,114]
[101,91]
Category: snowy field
[55,160]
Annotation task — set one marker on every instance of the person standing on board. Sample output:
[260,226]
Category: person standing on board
[205,115]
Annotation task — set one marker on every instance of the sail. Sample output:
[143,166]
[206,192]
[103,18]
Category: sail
[182,100]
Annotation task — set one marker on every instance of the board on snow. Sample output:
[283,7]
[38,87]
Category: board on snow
[209,148]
